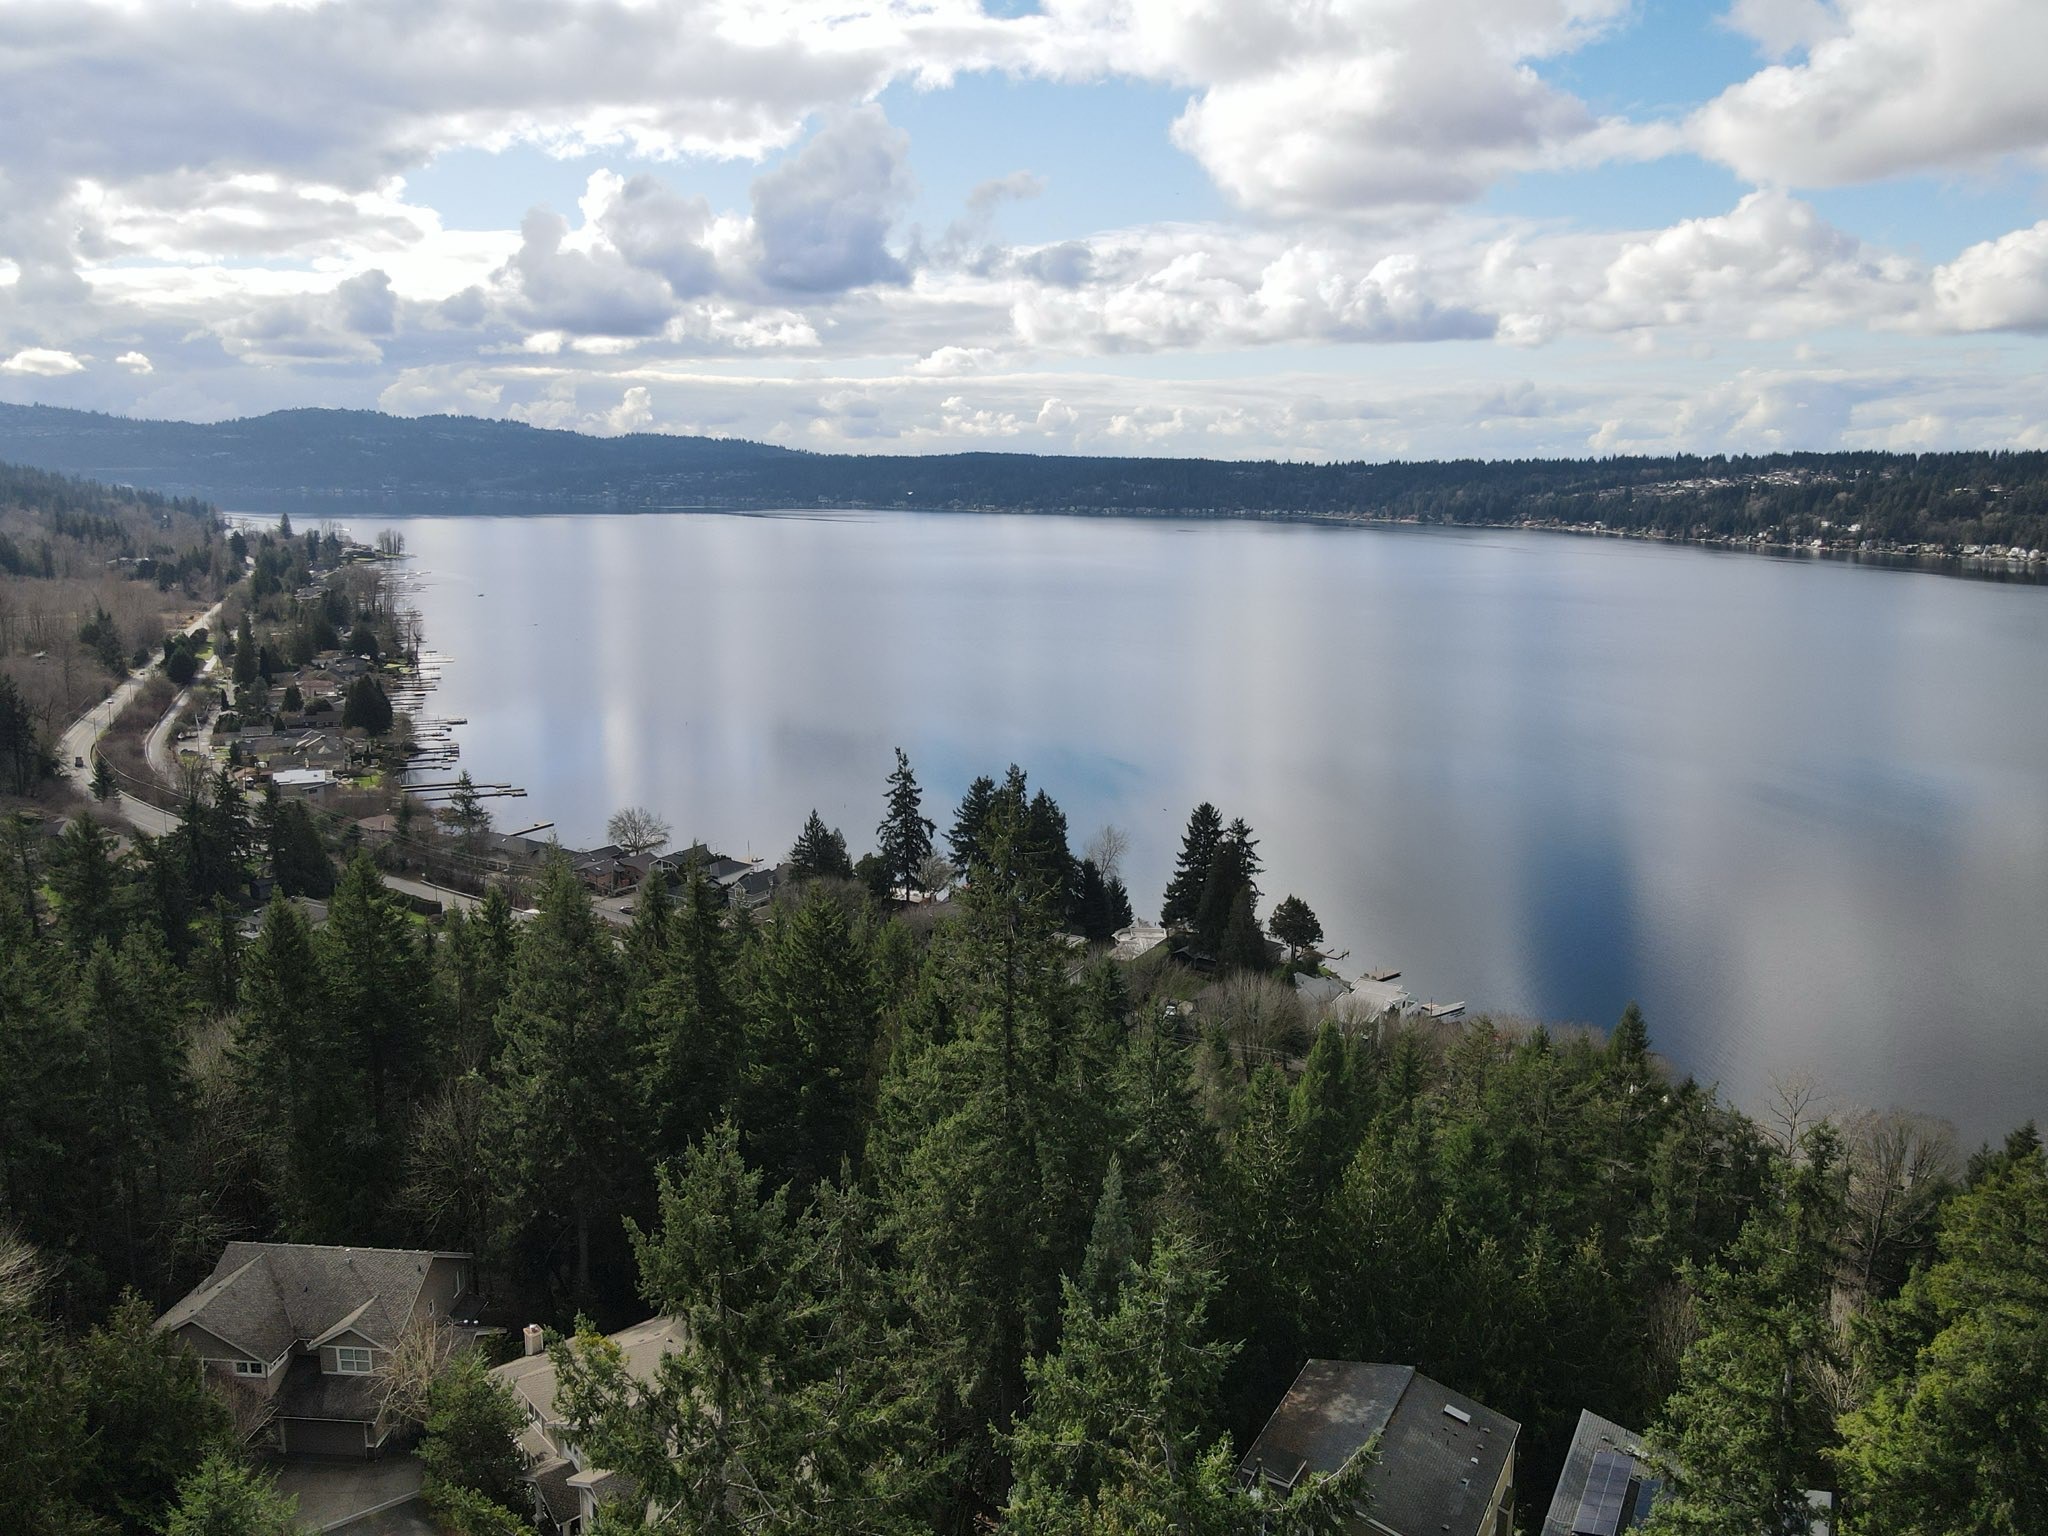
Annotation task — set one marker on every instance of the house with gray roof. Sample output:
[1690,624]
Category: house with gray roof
[566,1488]
[1610,1484]
[299,1331]
[1444,1464]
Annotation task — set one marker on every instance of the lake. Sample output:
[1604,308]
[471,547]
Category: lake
[1799,809]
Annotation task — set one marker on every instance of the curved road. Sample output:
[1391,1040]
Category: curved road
[82,737]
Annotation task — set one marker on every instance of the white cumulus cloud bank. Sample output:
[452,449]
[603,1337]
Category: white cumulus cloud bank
[1881,88]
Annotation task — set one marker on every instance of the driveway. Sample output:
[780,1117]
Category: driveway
[363,1498]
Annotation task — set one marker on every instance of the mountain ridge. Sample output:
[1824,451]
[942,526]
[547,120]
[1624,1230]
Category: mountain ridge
[312,456]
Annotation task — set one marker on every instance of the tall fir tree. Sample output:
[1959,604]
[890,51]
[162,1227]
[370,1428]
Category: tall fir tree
[811,1023]
[689,1022]
[1198,845]
[819,852]
[968,821]
[381,1011]
[904,838]
[564,1109]
[1742,1437]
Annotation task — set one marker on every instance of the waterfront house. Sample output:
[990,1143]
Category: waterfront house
[566,1488]
[297,1333]
[315,784]
[1445,1464]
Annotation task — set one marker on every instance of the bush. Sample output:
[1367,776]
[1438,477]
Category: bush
[472,1437]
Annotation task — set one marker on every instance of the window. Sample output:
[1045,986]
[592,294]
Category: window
[251,1368]
[351,1362]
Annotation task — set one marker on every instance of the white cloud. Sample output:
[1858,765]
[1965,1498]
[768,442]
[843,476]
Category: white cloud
[634,412]
[1998,285]
[947,361]
[1886,87]
[1771,266]
[1344,106]
[134,362]
[43,363]
[1209,288]
[822,218]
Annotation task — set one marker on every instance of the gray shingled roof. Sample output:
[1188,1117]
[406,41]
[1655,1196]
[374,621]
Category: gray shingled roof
[307,1393]
[551,1477]
[266,1297]
[1436,1471]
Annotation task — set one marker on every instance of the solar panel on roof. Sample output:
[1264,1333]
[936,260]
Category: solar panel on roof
[1646,1500]
[1606,1491]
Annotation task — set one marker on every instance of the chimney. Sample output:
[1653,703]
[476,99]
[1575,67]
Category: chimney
[536,1341]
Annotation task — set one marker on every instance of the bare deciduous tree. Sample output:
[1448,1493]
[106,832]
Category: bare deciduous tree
[1900,1167]
[637,830]
[406,1373]
[934,873]
[1107,848]
[1261,1017]
[445,1186]
[1794,1106]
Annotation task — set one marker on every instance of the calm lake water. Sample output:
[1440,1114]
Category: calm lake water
[1798,809]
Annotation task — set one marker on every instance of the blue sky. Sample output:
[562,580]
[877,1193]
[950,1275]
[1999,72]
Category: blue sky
[1332,228]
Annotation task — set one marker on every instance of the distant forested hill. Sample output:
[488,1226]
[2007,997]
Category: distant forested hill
[1931,502]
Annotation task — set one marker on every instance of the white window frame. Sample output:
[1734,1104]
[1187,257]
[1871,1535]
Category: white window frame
[345,1353]
[251,1368]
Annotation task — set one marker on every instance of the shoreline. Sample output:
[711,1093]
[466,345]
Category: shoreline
[2030,568]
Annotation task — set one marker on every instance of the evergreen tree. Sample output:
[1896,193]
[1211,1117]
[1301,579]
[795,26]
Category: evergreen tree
[562,1114]
[1295,925]
[1233,873]
[1742,1436]
[811,1021]
[968,822]
[820,853]
[87,882]
[648,935]
[366,707]
[290,1062]
[47,1468]
[1948,1440]
[1242,947]
[245,656]
[224,1498]
[218,965]
[150,1412]
[298,858]
[1323,1120]
[1112,1247]
[468,815]
[690,1022]
[383,1029]
[772,1411]
[904,839]
[475,963]
[1104,906]
[129,1010]
[1117,1438]
[1629,1044]
[472,1434]
[103,786]
[1191,875]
